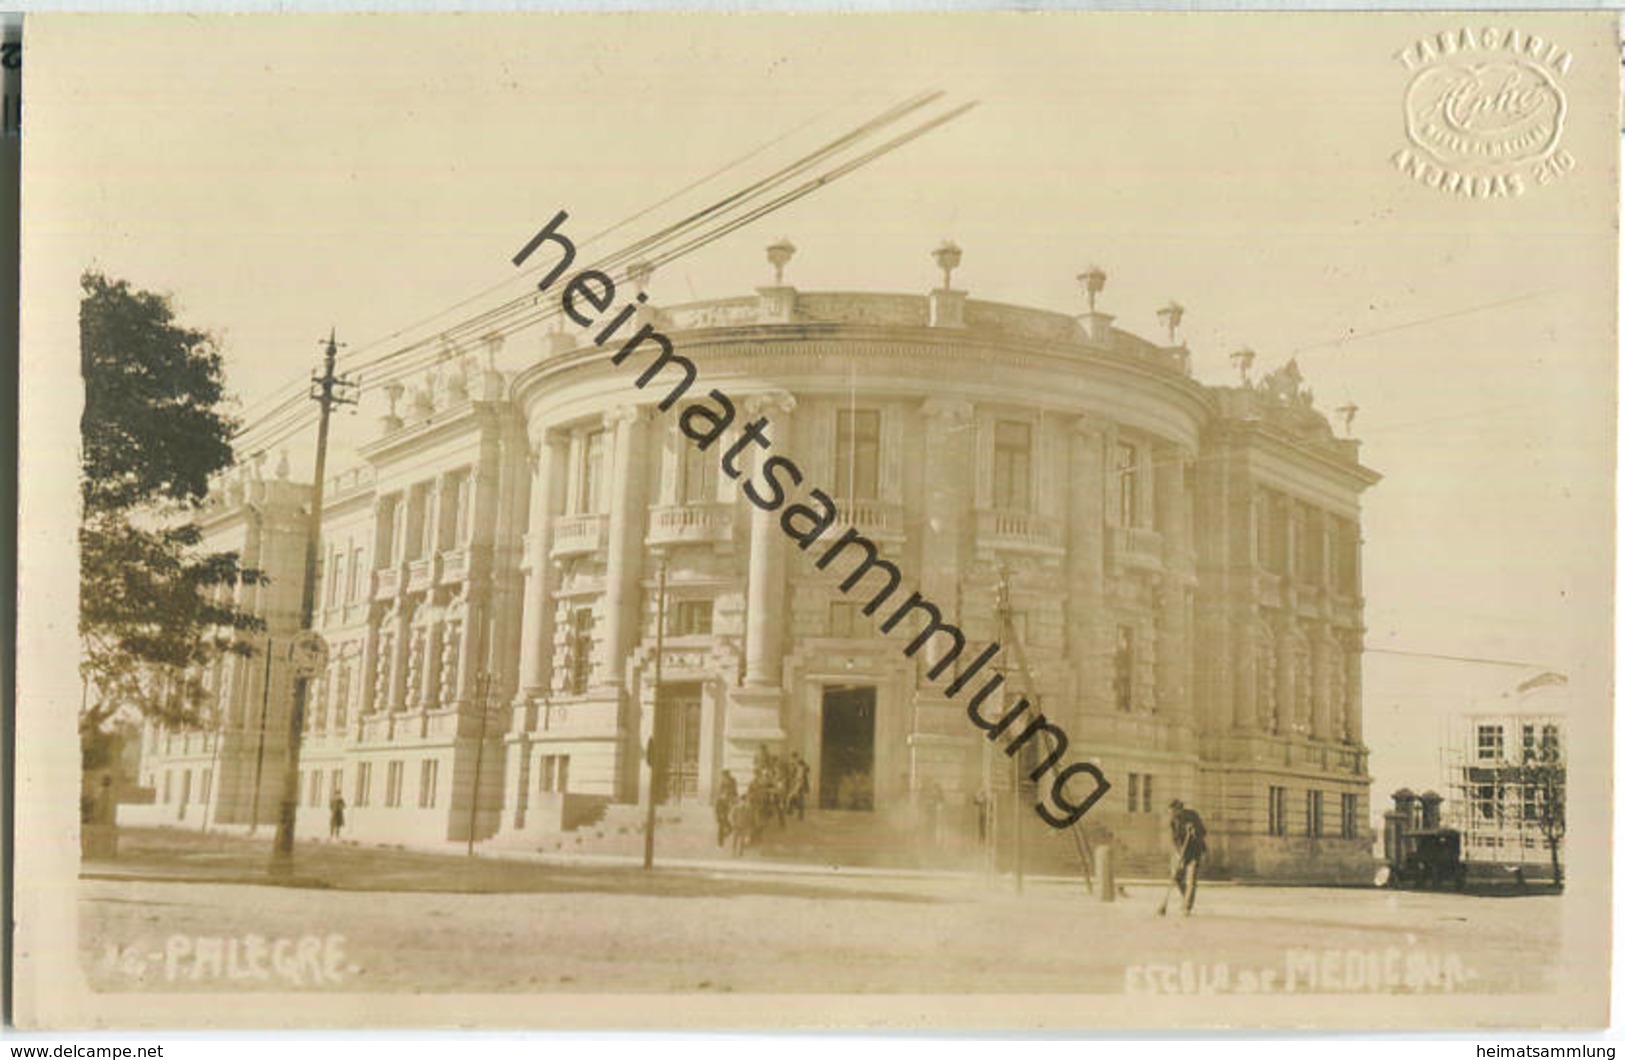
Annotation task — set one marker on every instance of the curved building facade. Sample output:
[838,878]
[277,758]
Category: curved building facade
[1180,563]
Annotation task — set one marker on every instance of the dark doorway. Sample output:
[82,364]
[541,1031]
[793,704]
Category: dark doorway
[846,775]
[677,733]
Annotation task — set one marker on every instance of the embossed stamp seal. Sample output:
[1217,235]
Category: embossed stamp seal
[1484,112]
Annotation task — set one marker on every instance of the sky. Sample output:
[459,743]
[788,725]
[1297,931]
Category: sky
[281,178]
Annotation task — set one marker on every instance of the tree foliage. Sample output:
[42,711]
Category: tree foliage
[155,608]
[1545,777]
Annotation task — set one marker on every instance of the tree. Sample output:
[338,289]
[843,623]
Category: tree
[1544,777]
[154,607]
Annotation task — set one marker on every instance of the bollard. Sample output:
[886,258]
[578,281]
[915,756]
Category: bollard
[1105,873]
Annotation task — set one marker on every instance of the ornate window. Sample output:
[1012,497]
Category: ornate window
[392,783]
[428,783]
[690,618]
[1351,816]
[1127,468]
[1012,465]
[588,487]
[696,474]
[579,671]
[857,454]
[1123,669]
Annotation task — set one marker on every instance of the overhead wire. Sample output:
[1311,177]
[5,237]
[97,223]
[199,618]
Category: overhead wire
[522,313]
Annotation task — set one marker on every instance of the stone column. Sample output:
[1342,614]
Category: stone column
[536,616]
[1173,631]
[1251,630]
[755,711]
[367,676]
[1090,640]
[401,652]
[764,602]
[1324,649]
[947,435]
[1354,647]
[624,569]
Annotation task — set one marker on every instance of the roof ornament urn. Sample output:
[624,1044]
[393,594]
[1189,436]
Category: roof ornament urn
[1093,281]
[778,256]
[1170,315]
[1243,360]
[947,256]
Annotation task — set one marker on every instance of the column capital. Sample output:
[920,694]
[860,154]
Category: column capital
[948,410]
[620,414]
[781,401]
[1089,425]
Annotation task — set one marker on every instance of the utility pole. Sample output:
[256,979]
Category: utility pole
[326,390]
[656,751]
[482,696]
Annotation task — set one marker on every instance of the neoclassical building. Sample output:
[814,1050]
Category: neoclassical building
[1182,563]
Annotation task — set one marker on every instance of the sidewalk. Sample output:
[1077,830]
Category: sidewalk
[166,855]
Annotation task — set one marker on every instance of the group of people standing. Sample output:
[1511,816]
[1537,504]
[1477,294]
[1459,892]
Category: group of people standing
[778,790]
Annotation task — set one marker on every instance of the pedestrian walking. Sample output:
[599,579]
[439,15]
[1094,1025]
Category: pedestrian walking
[800,785]
[335,815]
[1189,837]
[727,795]
[740,824]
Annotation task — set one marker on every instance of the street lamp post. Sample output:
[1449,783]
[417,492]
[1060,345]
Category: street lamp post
[656,753]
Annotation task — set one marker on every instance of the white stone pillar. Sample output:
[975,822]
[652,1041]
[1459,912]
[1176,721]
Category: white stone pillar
[624,568]
[1173,631]
[765,599]
[1090,637]
[536,618]
[1323,648]
[948,433]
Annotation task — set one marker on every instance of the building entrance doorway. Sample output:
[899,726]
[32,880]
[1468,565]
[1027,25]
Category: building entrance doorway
[677,734]
[846,773]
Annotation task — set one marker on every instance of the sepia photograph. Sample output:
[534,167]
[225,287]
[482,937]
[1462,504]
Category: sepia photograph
[1049,521]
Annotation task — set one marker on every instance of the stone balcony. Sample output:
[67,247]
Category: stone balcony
[454,566]
[419,575]
[686,524]
[1017,531]
[386,583]
[875,519]
[575,535]
[1135,547]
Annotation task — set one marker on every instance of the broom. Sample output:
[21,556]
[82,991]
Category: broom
[1173,878]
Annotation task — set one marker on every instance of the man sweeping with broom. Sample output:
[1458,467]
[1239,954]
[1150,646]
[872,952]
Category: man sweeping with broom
[1190,843]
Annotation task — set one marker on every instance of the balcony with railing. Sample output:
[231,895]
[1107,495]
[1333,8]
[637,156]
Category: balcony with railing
[680,524]
[875,519]
[386,583]
[575,535]
[419,575]
[1018,531]
[454,565]
[1133,546]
